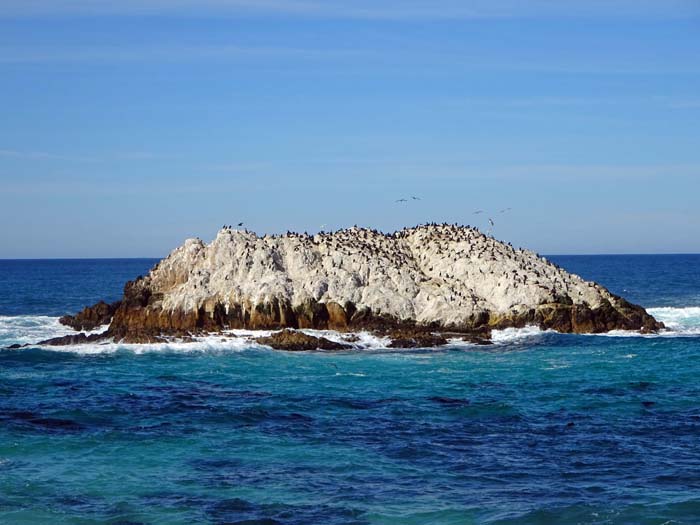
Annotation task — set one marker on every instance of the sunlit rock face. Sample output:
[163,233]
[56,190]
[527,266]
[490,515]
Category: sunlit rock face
[438,277]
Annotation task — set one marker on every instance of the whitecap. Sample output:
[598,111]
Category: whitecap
[511,335]
[678,320]
[24,329]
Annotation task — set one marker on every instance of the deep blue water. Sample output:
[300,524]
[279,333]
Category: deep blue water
[538,429]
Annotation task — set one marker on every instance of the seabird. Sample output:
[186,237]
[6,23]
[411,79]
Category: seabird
[413,197]
[505,210]
[491,222]
[477,212]
[240,224]
[401,200]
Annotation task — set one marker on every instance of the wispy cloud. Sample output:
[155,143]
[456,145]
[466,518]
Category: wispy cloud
[563,172]
[361,9]
[109,157]
[162,53]
[383,60]
[42,155]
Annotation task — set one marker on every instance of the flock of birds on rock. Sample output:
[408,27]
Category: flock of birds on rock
[432,251]
[322,228]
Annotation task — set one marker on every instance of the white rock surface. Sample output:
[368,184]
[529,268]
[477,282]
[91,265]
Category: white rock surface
[430,273]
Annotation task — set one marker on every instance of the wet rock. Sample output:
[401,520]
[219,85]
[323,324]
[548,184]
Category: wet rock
[477,339]
[293,340]
[406,339]
[77,339]
[144,337]
[91,317]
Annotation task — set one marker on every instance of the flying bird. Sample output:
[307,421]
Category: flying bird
[477,212]
[505,210]
[240,224]
[414,198]
[401,200]
[491,222]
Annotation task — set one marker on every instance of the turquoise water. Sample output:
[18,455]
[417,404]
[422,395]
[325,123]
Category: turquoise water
[540,428]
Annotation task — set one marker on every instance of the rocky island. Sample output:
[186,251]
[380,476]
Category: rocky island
[417,286]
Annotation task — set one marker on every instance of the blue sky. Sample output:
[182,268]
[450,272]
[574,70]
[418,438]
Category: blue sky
[129,126]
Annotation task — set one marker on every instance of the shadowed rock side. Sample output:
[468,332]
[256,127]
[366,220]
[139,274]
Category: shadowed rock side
[91,317]
[431,278]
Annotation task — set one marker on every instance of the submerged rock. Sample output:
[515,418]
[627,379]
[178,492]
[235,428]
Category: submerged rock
[427,279]
[74,339]
[295,341]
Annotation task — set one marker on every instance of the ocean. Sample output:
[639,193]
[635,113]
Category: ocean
[539,428]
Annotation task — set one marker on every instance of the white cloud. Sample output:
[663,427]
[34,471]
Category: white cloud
[41,155]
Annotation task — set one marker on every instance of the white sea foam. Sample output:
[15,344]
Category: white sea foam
[683,321]
[23,329]
[511,335]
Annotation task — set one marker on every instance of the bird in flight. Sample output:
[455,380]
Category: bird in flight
[240,224]
[491,222]
[414,198]
[505,210]
[477,212]
[401,200]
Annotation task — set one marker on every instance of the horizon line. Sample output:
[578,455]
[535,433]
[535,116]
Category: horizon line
[142,258]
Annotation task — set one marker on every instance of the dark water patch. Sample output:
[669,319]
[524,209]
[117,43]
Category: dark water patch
[48,424]
[78,504]
[241,512]
[38,356]
[213,465]
[360,403]
[605,390]
[449,401]
[58,424]
[643,385]
[176,500]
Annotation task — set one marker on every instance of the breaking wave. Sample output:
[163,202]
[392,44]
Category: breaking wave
[516,335]
[24,329]
[33,328]
[29,329]
[679,321]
